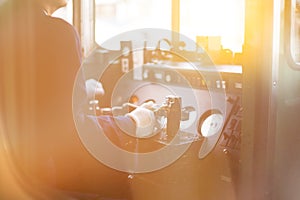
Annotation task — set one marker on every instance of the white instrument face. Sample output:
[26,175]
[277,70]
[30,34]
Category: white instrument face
[212,124]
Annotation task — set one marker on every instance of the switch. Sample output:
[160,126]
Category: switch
[238,85]
[225,139]
[168,78]
[218,84]
[125,65]
[232,124]
[224,84]
[146,74]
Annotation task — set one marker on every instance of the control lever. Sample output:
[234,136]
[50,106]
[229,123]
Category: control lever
[170,109]
[185,113]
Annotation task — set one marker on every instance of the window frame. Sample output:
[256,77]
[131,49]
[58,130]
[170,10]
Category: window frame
[288,36]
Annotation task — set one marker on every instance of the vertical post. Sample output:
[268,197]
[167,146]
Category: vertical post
[84,21]
[175,22]
[77,15]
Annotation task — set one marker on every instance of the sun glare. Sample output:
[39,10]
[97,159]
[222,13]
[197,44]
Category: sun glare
[214,18]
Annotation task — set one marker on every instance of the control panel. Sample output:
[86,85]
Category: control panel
[231,137]
[223,77]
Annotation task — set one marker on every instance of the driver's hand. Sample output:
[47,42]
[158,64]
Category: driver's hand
[144,119]
[93,88]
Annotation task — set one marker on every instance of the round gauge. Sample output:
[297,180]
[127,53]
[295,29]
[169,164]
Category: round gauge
[210,123]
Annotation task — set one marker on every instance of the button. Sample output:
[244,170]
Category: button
[146,74]
[238,85]
[225,151]
[218,84]
[225,139]
[224,84]
[168,78]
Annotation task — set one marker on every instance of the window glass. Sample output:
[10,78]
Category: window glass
[117,16]
[221,21]
[65,13]
[295,30]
